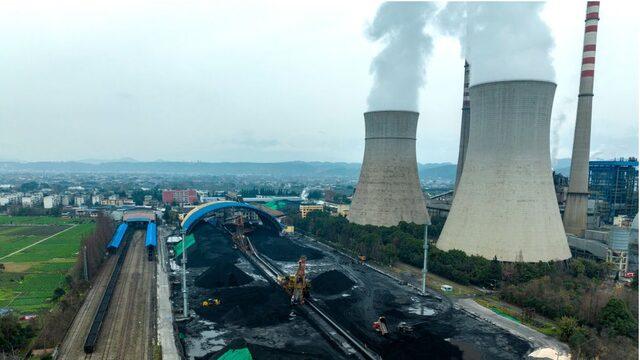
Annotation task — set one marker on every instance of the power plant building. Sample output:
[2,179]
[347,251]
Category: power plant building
[505,204]
[613,185]
[388,190]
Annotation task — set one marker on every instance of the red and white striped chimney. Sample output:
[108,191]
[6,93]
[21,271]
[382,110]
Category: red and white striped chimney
[575,214]
[464,126]
[589,49]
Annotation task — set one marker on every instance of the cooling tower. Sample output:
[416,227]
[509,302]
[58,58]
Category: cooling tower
[505,204]
[464,126]
[575,213]
[388,190]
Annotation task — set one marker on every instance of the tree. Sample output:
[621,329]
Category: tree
[13,336]
[495,272]
[315,194]
[138,196]
[616,318]
[567,327]
[58,293]
[28,186]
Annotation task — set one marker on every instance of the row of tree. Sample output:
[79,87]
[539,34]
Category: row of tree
[405,243]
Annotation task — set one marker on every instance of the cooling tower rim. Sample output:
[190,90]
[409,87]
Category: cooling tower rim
[391,111]
[519,81]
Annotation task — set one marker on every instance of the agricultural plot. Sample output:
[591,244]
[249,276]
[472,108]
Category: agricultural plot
[29,277]
[33,220]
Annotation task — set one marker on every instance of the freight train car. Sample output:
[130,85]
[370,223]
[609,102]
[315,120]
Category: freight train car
[151,240]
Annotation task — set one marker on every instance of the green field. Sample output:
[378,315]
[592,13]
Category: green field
[33,220]
[30,277]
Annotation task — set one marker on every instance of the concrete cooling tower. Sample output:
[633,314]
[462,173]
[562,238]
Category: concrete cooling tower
[388,190]
[505,204]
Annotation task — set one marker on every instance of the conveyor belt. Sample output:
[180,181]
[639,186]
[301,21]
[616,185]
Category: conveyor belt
[273,272]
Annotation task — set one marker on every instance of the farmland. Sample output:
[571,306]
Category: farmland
[37,253]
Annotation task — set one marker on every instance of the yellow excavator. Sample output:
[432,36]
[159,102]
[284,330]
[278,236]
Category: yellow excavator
[211,302]
[296,285]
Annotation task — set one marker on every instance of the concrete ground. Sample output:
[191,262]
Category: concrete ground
[166,336]
[537,339]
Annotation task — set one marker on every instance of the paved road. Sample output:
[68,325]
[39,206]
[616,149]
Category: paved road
[166,337]
[538,339]
[129,327]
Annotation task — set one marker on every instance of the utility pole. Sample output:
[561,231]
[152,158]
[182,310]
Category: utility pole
[84,263]
[425,260]
[185,305]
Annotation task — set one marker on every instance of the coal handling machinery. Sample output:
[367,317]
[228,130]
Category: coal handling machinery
[296,285]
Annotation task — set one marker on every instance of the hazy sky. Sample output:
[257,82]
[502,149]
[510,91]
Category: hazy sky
[259,81]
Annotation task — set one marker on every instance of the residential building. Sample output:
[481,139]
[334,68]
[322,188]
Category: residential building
[180,197]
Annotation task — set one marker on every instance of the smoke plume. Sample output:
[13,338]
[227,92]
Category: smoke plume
[501,40]
[399,69]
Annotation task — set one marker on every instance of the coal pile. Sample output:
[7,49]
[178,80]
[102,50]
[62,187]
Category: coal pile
[260,352]
[250,306]
[222,274]
[331,283]
[282,248]
[211,246]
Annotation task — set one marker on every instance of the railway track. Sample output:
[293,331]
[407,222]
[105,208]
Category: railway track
[355,347]
[72,345]
[126,332]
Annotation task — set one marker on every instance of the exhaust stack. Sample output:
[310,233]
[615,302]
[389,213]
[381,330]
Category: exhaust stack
[464,127]
[575,213]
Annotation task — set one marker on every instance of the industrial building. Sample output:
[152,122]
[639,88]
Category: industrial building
[613,185]
[616,244]
[388,189]
[505,204]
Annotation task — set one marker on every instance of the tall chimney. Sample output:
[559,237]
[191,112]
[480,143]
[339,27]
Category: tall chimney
[575,213]
[505,205]
[388,190]
[464,127]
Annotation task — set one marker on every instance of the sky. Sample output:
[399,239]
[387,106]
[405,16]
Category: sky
[261,81]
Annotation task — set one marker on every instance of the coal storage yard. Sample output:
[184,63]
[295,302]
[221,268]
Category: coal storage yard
[251,310]
[257,313]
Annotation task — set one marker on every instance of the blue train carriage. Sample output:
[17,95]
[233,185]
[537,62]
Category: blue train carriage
[151,240]
[117,238]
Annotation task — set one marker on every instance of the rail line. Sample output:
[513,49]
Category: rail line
[96,325]
[272,272]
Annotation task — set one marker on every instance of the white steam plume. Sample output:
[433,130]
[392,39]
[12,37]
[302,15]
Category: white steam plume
[399,69]
[556,123]
[501,40]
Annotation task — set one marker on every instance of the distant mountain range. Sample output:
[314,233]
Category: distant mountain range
[432,171]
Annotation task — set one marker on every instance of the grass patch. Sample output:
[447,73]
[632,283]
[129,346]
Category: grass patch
[33,274]
[33,220]
[63,245]
[548,327]
[16,237]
